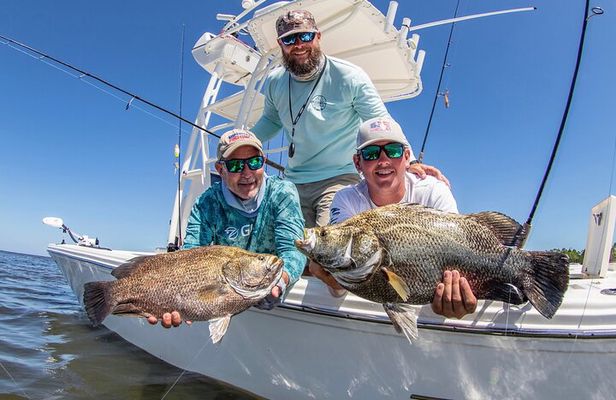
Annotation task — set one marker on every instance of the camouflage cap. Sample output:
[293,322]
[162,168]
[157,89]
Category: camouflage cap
[235,139]
[295,21]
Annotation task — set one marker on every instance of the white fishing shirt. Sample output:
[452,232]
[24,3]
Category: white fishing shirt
[430,192]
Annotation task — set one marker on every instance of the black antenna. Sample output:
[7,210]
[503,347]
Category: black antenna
[438,88]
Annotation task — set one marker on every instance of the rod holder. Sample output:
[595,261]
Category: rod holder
[404,31]
[391,15]
[413,44]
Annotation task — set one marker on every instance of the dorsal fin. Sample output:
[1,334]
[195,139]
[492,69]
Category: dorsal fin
[129,267]
[508,231]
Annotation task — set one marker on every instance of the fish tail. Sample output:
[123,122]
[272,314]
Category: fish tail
[97,301]
[549,278]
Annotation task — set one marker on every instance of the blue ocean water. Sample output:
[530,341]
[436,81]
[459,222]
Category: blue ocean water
[48,350]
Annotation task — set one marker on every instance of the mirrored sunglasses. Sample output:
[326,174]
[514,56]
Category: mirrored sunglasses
[373,152]
[305,37]
[236,165]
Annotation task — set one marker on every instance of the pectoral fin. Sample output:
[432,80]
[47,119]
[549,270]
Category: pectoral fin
[218,328]
[404,319]
[128,309]
[397,283]
[210,293]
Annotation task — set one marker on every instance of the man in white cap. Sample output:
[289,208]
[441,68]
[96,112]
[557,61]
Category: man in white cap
[319,102]
[382,156]
[247,209]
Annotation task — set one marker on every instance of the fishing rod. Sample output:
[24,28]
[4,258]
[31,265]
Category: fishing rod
[119,89]
[522,234]
[438,87]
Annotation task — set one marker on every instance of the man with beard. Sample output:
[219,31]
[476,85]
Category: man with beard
[382,155]
[249,210]
[320,102]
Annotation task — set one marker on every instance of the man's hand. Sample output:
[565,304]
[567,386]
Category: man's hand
[453,297]
[169,319]
[318,271]
[274,298]
[423,170]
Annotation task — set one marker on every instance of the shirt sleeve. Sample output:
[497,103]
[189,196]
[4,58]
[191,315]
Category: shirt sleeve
[289,226]
[269,124]
[341,208]
[198,230]
[366,99]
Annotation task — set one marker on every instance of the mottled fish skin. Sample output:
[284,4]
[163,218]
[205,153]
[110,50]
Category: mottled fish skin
[418,244]
[203,283]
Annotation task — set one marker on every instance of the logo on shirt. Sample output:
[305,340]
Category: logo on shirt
[232,232]
[319,102]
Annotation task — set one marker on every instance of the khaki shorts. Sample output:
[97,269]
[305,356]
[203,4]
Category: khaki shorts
[316,197]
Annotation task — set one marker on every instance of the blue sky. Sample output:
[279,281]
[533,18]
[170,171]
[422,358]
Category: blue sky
[70,150]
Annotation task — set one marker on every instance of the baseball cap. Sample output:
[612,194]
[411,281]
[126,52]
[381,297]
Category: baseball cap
[380,128]
[234,139]
[295,21]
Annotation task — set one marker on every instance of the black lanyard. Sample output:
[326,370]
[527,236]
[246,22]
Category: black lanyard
[302,108]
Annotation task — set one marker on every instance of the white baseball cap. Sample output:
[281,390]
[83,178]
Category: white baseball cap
[380,128]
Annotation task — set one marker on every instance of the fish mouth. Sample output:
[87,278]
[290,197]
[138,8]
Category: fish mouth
[309,242]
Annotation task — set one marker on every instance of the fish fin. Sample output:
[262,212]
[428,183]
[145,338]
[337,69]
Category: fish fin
[397,283]
[506,292]
[129,267]
[128,309]
[209,293]
[508,231]
[97,301]
[547,281]
[404,319]
[218,328]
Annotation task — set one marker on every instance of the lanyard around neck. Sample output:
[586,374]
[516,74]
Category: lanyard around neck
[295,119]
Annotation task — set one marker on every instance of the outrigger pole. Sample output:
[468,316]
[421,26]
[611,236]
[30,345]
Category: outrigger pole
[523,233]
[133,96]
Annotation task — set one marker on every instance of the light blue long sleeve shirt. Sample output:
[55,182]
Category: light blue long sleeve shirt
[273,230]
[325,135]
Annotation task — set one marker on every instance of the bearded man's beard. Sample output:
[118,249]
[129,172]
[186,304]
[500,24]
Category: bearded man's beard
[303,68]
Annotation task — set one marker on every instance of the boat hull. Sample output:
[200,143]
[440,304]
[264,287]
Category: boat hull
[318,347]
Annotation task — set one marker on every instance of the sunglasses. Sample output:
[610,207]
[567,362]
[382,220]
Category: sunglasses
[373,152]
[305,37]
[236,165]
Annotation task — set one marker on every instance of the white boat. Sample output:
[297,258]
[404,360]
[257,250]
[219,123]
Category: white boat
[315,346]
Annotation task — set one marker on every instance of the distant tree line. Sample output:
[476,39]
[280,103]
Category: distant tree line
[577,256]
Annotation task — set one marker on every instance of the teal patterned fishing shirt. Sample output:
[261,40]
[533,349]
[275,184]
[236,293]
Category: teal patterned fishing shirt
[273,230]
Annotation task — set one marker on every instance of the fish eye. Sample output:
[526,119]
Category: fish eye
[260,258]
[322,233]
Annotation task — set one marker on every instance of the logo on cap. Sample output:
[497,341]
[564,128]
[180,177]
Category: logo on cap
[380,126]
[234,137]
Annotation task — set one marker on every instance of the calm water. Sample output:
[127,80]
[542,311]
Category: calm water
[49,351]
